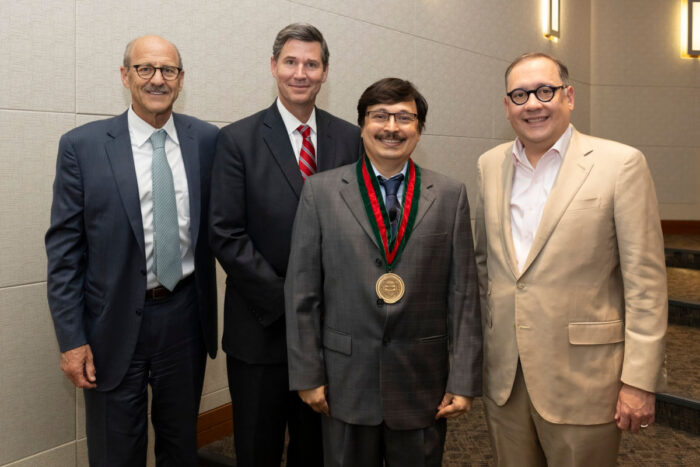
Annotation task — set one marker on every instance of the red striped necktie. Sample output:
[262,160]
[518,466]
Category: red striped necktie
[307,155]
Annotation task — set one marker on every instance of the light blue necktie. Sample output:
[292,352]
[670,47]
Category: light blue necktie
[167,264]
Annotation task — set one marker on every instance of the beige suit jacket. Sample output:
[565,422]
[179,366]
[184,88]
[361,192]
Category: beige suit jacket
[589,309]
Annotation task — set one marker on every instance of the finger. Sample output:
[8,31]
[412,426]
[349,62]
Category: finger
[90,367]
[623,422]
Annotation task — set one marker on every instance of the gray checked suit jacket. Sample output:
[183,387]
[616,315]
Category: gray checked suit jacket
[382,362]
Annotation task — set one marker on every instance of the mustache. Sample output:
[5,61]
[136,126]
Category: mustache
[390,135]
[153,88]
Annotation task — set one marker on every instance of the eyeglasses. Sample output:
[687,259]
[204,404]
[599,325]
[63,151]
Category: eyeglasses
[544,93]
[169,73]
[401,118]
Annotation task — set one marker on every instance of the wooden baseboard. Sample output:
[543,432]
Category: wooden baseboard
[214,424]
[677,227]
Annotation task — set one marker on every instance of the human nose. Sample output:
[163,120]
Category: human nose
[157,76]
[532,100]
[391,122]
[299,71]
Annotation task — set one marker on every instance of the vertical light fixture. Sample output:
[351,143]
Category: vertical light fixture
[552,19]
[694,28]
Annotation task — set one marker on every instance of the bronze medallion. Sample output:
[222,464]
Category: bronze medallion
[390,287]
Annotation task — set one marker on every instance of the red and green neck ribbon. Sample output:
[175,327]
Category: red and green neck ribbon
[376,211]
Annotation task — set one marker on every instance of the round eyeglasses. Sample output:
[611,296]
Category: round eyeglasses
[544,93]
[169,73]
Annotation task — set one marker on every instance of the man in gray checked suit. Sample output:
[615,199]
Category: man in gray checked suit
[382,306]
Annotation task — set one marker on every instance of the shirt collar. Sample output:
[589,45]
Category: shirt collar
[291,123]
[140,130]
[402,171]
[559,148]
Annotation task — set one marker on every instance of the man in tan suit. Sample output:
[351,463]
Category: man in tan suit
[571,270]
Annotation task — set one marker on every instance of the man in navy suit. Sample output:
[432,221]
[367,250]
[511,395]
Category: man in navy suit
[260,167]
[131,280]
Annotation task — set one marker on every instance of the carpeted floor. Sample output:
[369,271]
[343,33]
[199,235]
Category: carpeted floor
[468,444]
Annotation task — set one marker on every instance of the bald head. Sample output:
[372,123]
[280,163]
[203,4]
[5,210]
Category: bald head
[149,41]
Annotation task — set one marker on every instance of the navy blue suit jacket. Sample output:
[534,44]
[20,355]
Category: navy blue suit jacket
[95,245]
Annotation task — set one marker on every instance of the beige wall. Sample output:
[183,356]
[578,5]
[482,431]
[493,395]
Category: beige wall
[61,69]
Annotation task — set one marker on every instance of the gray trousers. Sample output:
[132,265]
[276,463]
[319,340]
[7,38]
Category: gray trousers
[347,445]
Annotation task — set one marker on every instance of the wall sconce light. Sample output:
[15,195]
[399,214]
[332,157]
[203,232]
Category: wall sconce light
[694,28]
[551,17]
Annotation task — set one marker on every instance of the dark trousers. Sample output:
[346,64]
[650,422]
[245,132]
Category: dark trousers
[263,407]
[348,445]
[170,356]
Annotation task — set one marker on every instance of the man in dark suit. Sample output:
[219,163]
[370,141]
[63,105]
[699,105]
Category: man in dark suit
[260,166]
[383,323]
[131,280]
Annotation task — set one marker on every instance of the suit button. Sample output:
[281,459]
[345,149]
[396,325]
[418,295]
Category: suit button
[379,262]
[521,286]
[380,302]
[143,272]
[386,341]
[138,312]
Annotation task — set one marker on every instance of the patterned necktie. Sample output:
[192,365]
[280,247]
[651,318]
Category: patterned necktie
[393,207]
[167,264]
[307,155]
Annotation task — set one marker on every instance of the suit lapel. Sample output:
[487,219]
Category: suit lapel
[277,141]
[503,203]
[350,192]
[574,170]
[121,159]
[325,152]
[427,197]
[190,157]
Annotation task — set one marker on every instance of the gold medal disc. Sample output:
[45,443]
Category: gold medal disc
[390,287]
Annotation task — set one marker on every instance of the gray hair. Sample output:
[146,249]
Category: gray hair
[563,70]
[302,32]
[127,53]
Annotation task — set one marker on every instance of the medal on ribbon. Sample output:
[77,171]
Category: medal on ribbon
[390,287]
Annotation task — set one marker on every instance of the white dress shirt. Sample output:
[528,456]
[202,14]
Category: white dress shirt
[142,150]
[291,123]
[531,187]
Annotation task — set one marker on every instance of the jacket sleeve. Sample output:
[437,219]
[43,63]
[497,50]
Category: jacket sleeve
[463,308]
[642,263]
[66,250]
[304,297]
[254,278]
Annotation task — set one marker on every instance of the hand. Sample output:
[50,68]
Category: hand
[453,405]
[635,407]
[316,399]
[78,366]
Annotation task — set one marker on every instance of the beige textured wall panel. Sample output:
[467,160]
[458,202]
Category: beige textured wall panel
[37,53]
[28,148]
[214,399]
[37,402]
[581,116]
[361,53]
[225,48]
[675,171]
[81,453]
[646,116]
[61,456]
[393,14]
[460,88]
[498,28]
[455,157]
[637,42]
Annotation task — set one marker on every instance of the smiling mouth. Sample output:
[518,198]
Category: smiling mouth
[536,119]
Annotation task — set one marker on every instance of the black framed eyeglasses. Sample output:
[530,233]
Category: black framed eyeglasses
[169,73]
[382,116]
[544,93]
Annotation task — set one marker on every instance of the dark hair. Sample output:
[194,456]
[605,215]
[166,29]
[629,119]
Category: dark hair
[301,32]
[392,91]
[563,70]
